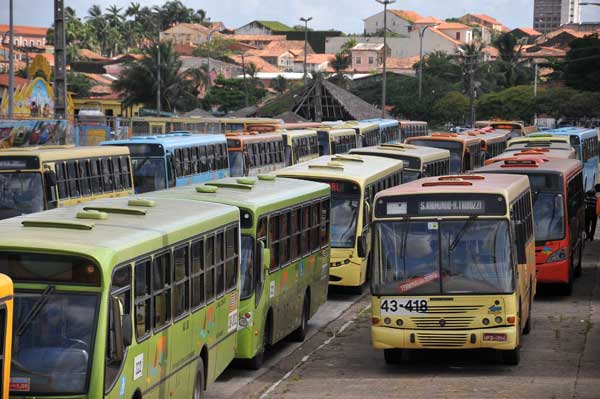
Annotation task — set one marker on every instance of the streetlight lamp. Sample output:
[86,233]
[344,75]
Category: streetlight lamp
[421,35]
[383,89]
[208,39]
[306,21]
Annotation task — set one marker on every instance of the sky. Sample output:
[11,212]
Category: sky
[344,15]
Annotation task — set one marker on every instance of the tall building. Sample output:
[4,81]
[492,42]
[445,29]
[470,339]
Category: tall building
[549,15]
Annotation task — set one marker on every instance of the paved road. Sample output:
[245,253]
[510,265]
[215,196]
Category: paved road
[559,359]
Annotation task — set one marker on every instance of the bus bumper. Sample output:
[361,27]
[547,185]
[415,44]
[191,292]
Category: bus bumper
[502,338]
[555,272]
[349,275]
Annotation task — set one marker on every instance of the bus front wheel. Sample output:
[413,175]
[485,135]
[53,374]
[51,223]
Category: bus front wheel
[300,333]
[393,356]
[199,383]
[512,357]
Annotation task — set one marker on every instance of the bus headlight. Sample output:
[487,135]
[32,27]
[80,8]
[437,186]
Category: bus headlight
[559,255]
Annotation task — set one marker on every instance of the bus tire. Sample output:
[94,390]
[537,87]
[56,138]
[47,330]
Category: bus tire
[393,356]
[512,357]
[567,288]
[258,360]
[299,334]
[355,290]
[199,381]
[527,326]
[578,267]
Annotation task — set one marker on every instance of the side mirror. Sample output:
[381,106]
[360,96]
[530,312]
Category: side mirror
[127,330]
[266,253]
[597,188]
[361,246]
[260,259]
[50,178]
[119,348]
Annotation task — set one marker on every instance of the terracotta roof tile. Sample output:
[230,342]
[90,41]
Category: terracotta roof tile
[428,20]
[25,30]
[316,58]
[90,55]
[409,16]
[451,25]
[256,38]
[275,49]
[260,63]
[402,63]
[18,80]
[530,31]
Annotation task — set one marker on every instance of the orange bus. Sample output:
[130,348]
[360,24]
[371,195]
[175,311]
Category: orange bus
[251,154]
[493,142]
[558,211]
[542,153]
[465,150]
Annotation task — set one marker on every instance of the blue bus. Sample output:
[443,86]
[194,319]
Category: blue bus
[585,142]
[175,159]
[389,130]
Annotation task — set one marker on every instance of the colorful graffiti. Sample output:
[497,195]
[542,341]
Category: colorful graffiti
[34,100]
[23,133]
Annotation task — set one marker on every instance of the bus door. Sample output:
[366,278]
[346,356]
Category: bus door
[575,212]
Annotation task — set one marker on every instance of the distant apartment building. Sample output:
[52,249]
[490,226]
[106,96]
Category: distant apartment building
[25,36]
[549,15]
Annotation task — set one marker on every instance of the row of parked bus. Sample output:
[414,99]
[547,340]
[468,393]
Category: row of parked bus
[153,295]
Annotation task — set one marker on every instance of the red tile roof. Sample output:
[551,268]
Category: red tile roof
[25,30]
[529,31]
[256,38]
[488,19]
[90,55]
[452,25]
[260,63]
[428,20]
[184,49]
[275,49]
[409,16]
[316,58]
[18,81]
[402,63]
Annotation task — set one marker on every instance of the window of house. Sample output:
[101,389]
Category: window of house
[457,35]
[371,60]
[358,60]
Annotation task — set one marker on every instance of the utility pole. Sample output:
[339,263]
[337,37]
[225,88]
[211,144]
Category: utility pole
[306,21]
[245,82]
[535,80]
[11,62]
[384,83]
[158,77]
[60,61]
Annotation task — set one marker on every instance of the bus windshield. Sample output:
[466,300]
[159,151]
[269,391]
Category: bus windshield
[409,175]
[447,257]
[247,267]
[455,148]
[344,217]
[549,216]
[20,193]
[149,174]
[236,163]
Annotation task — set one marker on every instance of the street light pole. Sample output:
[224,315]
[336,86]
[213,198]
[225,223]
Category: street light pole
[11,62]
[158,77]
[305,20]
[421,35]
[383,88]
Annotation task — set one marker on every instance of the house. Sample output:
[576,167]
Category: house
[367,57]
[282,53]
[259,63]
[398,21]
[314,63]
[257,41]
[485,21]
[540,54]
[560,38]
[402,66]
[263,28]
[457,31]
[25,36]
[185,33]
[525,35]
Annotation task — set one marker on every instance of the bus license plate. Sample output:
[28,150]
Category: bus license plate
[403,307]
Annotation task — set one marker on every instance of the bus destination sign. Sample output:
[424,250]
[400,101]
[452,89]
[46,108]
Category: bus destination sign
[433,205]
[475,207]
[19,163]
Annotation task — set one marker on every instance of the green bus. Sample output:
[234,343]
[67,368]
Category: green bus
[122,298]
[284,269]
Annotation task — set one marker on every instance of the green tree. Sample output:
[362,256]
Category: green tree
[551,101]
[229,95]
[218,48]
[139,85]
[279,84]
[582,63]
[79,84]
[453,108]
[510,63]
[470,58]
[514,103]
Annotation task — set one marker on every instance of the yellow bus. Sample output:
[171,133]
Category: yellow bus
[493,142]
[516,128]
[354,181]
[537,153]
[145,126]
[418,161]
[465,150]
[368,132]
[453,265]
[300,146]
[539,138]
[33,179]
[6,318]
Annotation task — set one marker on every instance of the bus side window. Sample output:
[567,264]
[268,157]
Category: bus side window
[125,173]
[231,257]
[120,289]
[284,238]
[117,173]
[96,168]
[197,274]
[178,163]
[305,248]
[181,284]
[210,152]
[225,157]
[217,151]
[84,173]
[161,290]
[210,267]
[295,232]
[203,160]
[274,242]
[142,299]
[325,223]
[194,160]
[185,152]
[73,179]
[315,223]
[61,180]
[107,181]
[220,264]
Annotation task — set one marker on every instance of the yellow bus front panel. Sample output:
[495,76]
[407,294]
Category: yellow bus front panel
[347,269]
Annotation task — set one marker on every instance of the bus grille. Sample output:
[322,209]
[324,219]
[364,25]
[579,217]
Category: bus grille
[439,309]
[432,323]
[442,340]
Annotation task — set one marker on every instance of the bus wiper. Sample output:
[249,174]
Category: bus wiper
[460,235]
[36,309]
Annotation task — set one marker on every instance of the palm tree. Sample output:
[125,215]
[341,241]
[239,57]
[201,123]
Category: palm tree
[133,10]
[510,60]
[114,17]
[346,47]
